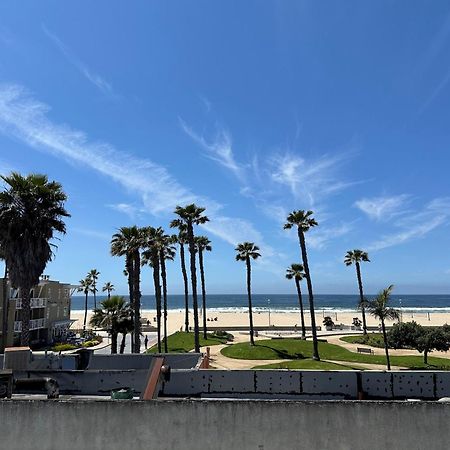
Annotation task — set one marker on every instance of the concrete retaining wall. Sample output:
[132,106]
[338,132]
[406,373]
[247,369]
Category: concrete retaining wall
[203,424]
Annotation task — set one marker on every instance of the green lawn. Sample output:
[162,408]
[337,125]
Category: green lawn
[305,364]
[299,349]
[182,342]
[373,339]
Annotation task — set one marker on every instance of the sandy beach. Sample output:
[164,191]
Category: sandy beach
[228,320]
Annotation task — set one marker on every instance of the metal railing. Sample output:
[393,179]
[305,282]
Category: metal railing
[35,302]
[34,325]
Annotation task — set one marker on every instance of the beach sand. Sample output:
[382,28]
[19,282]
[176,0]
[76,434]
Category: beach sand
[228,320]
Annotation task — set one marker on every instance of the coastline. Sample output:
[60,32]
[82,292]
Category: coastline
[226,320]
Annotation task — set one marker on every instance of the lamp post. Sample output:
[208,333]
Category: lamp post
[401,311]
[268,305]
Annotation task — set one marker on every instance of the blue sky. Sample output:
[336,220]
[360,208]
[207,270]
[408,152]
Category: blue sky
[251,109]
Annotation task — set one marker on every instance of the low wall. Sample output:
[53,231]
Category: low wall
[203,424]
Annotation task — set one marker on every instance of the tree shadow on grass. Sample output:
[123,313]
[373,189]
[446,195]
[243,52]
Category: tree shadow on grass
[282,354]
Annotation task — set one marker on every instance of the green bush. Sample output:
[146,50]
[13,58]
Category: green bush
[90,343]
[63,347]
[221,334]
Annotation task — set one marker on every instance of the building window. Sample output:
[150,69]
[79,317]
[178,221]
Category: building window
[66,311]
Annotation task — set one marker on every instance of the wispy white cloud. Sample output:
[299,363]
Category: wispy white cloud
[24,118]
[131,210]
[383,208]
[416,225]
[219,149]
[321,237]
[310,180]
[89,74]
[92,233]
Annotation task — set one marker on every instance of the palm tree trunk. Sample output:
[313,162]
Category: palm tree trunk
[109,295]
[26,314]
[85,310]
[202,280]
[164,283]
[301,237]
[137,301]
[122,343]
[190,231]
[425,357]
[130,271]
[157,285]
[249,293]
[361,297]
[95,296]
[300,302]
[186,290]
[113,343]
[5,310]
[388,362]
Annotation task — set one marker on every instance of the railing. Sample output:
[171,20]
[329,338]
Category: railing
[35,302]
[34,325]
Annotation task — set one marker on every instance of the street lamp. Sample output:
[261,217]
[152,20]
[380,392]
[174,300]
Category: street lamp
[401,311]
[268,305]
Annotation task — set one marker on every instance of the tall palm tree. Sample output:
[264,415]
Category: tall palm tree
[297,273]
[203,244]
[379,308]
[182,239]
[166,253]
[304,221]
[124,327]
[94,274]
[112,313]
[191,215]
[31,212]
[108,287]
[128,242]
[85,286]
[245,251]
[356,257]
[152,244]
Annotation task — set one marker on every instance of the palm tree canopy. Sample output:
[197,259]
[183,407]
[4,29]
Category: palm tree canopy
[295,271]
[203,243]
[126,240]
[301,219]
[111,312]
[379,306]
[356,256]
[31,211]
[85,285]
[190,213]
[153,240]
[94,274]
[108,286]
[247,250]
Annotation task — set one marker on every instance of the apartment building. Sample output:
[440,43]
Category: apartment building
[50,312]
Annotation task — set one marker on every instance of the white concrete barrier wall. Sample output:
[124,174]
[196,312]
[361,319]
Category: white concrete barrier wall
[220,425]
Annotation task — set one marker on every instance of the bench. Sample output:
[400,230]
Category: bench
[365,350]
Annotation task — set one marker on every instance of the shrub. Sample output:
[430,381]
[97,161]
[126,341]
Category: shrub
[221,334]
[63,347]
[328,321]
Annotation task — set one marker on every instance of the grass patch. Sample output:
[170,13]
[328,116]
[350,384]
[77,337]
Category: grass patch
[182,342]
[373,340]
[305,364]
[299,349]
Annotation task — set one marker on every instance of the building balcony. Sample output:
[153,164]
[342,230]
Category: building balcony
[35,324]
[35,302]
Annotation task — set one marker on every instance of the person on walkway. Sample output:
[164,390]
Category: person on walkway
[146,342]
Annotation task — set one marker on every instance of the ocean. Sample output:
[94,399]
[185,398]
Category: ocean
[289,302]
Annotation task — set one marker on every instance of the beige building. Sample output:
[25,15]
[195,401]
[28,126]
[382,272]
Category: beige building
[50,312]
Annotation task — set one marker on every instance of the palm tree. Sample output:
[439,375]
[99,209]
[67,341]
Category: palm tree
[245,251]
[94,273]
[112,313]
[203,244]
[379,308]
[108,287]
[356,257]
[189,216]
[297,273]
[166,252]
[85,287]
[303,220]
[150,255]
[124,327]
[128,242]
[31,211]
[181,239]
